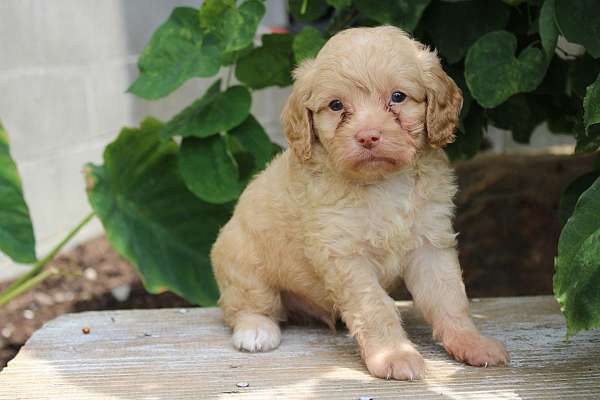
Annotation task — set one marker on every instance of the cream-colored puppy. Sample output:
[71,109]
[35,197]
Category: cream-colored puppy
[362,199]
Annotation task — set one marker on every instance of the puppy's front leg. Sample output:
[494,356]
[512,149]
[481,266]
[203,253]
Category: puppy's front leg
[373,319]
[434,279]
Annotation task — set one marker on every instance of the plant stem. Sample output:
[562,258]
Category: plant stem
[16,286]
[6,297]
[228,79]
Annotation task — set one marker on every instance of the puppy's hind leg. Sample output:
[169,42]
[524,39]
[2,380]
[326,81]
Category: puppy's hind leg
[250,305]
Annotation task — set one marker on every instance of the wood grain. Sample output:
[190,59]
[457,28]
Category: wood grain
[186,354]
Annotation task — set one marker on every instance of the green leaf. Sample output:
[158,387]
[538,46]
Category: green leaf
[214,112]
[253,139]
[493,73]
[209,169]
[591,105]
[315,9]
[582,73]
[235,27]
[579,21]
[178,51]
[16,231]
[516,115]
[453,40]
[231,57]
[268,65]
[307,43]
[402,13]
[571,194]
[218,168]
[547,28]
[151,218]
[338,4]
[577,274]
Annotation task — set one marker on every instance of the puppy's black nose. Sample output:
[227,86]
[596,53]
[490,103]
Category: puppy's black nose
[368,138]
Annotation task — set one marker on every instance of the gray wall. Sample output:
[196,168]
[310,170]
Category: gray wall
[64,69]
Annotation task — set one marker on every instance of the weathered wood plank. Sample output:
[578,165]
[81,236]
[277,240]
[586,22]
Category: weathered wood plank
[185,354]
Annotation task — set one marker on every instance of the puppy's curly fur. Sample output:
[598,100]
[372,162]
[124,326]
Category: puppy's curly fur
[362,199]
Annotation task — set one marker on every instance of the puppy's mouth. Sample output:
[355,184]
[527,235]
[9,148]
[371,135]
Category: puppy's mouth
[370,158]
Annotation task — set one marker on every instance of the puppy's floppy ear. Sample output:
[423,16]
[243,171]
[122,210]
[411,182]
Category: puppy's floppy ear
[444,101]
[296,117]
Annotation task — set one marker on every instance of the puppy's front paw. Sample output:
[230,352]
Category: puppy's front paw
[256,333]
[476,350]
[402,363]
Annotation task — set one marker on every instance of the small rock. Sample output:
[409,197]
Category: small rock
[85,330]
[242,384]
[182,311]
[43,299]
[59,297]
[8,330]
[121,293]
[28,314]
[90,274]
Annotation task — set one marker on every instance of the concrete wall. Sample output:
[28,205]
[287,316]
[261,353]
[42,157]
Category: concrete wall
[64,69]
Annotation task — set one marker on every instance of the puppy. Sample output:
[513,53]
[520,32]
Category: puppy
[361,199]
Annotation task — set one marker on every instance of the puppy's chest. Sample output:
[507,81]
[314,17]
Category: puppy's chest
[379,223]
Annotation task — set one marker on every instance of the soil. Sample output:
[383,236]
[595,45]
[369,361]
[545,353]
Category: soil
[506,215]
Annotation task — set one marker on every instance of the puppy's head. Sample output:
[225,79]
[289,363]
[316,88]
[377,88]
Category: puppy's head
[373,98]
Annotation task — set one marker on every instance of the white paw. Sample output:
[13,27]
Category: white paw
[256,333]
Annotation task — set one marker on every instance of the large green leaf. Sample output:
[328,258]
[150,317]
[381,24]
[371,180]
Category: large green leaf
[209,169]
[571,194]
[252,138]
[151,218]
[591,105]
[579,21]
[268,65]
[307,10]
[493,73]
[402,13]
[179,50]
[214,112]
[235,27]
[453,40]
[219,167]
[16,232]
[307,43]
[547,27]
[577,275]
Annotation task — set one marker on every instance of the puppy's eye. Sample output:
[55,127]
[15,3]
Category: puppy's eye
[336,105]
[397,97]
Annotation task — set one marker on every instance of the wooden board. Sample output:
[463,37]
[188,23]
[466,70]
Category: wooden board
[186,354]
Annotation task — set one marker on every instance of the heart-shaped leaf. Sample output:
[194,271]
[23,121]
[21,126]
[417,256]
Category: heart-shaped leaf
[403,13]
[235,27]
[579,21]
[16,231]
[209,169]
[219,167]
[547,27]
[307,10]
[577,274]
[214,112]
[307,43]
[518,116]
[571,194]
[179,50]
[268,65]
[453,42]
[151,218]
[493,73]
